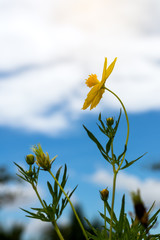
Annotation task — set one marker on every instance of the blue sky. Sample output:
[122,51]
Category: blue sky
[48,49]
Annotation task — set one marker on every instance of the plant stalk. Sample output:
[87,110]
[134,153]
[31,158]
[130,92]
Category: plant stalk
[53,222]
[57,230]
[105,226]
[112,207]
[126,115]
[35,189]
[76,215]
[115,171]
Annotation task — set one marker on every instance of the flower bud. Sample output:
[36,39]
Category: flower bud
[30,159]
[104,194]
[110,121]
[42,159]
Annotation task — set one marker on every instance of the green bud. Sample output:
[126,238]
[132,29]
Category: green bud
[30,159]
[110,121]
[104,194]
[42,159]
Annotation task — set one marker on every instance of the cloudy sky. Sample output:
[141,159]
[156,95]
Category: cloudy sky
[47,49]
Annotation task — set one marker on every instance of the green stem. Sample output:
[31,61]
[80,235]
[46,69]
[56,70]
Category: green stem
[105,226]
[112,207]
[116,170]
[53,222]
[113,192]
[76,215]
[35,189]
[57,230]
[126,115]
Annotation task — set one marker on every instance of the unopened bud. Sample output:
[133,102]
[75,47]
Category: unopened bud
[104,194]
[110,121]
[42,159]
[30,159]
[140,209]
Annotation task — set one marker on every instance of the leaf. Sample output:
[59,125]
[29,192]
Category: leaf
[99,118]
[63,183]
[94,139]
[108,145]
[103,131]
[55,184]
[151,207]
[36,216]
[73,191]
[121,217]
[90,225]
[108,220]
[117,122]
[21,177]
[27,211]
[153,217]
[45,204]
[119,157]
[64,179]
[109,211]
[130,163]
[50,189]
[91,236]
[127,228]
[65,201]
[19,167]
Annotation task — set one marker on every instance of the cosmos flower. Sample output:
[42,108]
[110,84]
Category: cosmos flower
[97,87]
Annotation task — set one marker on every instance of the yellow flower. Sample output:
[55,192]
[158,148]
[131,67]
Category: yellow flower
[96,93]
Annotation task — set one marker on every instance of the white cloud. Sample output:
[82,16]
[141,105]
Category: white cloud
[128,183]
[35,228]
[23,195]
[36,104]
[39,227]
[48,50]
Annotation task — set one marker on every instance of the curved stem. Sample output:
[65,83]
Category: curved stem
[76,215]
[116,170]
[126,115]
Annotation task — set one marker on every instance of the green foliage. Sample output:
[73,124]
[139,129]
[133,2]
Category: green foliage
[114,228]
[110,132]
[54,210]
[122,229]
[127,164]
[30,176]
[97,234]
[119,228]
[108,129]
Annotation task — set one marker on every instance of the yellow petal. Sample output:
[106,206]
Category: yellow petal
[92,80]
[90,96]
[97,98]
[110,68]
[86,104]
[104,69]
